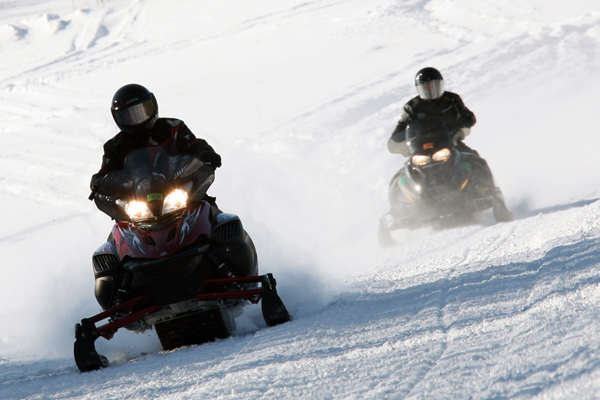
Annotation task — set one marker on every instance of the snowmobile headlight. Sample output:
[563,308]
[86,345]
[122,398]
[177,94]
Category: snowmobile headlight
[420,160]
[138,210]
[441,155]
[175,201]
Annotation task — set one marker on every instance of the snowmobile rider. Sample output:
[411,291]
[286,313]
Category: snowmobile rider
[135,111]
[433,101]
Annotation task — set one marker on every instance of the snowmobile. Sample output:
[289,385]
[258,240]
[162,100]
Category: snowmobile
[173,260]
[439,185]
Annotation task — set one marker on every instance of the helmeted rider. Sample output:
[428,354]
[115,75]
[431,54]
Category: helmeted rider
[433,101]
[135,111]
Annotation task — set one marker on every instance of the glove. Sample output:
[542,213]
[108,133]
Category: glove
[95,184]
[458,136]
[209,156]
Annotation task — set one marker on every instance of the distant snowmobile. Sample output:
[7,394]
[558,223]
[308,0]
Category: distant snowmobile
[439,186]
[172,261]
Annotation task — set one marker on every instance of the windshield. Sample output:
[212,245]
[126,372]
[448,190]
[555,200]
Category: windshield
[149,160]
[427,136]
[149,176]
[145,169]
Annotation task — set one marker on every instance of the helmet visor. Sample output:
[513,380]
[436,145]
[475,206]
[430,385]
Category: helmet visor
[431,89]
[135,115]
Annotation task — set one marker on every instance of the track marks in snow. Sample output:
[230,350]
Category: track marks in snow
[468,315]
[81,40]
[26,233]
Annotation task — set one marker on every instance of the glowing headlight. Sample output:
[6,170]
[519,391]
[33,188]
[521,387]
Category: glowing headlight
[175,201]
[420,160]
[441,155]
[138,210]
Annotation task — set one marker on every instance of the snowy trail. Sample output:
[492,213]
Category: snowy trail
[515,329]
[299,99]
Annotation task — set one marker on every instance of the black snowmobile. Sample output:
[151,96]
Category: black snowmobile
[173,261]
[439,186]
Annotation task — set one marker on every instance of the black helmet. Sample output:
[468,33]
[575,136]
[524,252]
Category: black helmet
[429,83]
[134,109]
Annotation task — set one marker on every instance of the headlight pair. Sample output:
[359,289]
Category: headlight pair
[138,210]
[420,160]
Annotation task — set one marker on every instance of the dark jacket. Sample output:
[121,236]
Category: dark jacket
[172,134]
[449,107]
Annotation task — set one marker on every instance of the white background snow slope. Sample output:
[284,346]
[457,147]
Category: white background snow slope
[299,98]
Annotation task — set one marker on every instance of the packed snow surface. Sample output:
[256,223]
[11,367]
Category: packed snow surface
[299,98]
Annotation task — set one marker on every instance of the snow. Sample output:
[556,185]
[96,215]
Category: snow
[299,98]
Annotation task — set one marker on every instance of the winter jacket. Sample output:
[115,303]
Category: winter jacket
[172,134]
[449,107]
